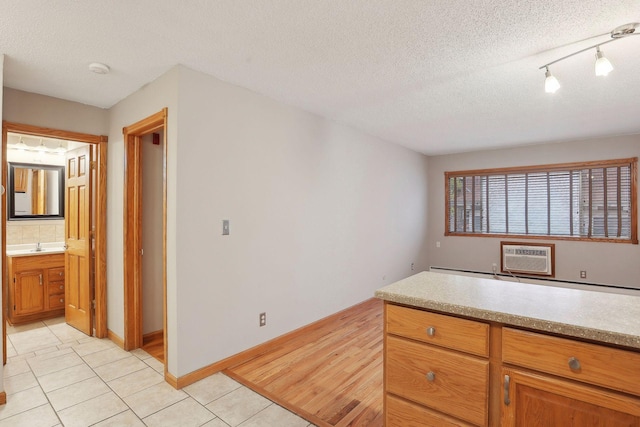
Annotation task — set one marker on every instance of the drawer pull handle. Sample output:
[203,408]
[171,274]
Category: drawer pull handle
[574,364]
[431,376]
[40,279]
[431,331]
[507,380]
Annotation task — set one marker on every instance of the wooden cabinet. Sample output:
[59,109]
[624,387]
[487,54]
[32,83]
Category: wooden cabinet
[36,287]
[442,370]
[592,398]
[21,180]
[428,366]
[532,399]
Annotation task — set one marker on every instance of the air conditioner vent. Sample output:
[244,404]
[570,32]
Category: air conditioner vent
[534,259]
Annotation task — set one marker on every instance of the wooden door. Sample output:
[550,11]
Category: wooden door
[39,192]
[78,290]
[540,401]
[29,292]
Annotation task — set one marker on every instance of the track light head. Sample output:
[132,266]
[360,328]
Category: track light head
[603,66]
[551,84]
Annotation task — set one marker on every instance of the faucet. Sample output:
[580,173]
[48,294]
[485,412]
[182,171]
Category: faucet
[38,247]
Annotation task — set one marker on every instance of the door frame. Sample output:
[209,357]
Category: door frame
[133,228]
[99,216]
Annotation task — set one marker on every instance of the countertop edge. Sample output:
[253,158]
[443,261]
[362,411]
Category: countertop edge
[45,252]
[542,325]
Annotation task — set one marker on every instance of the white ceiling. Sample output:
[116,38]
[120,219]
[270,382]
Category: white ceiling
[437,76]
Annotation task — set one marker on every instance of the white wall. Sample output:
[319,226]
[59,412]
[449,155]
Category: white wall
[320,215]
[605,263]
[161,93]
[39,110]
[152,289]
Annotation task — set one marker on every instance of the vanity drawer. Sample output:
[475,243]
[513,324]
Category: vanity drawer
[56,301]
[591,363]
[56,288]
[37,262]
[400,413]
[56,273]
[440,379]
[446,331]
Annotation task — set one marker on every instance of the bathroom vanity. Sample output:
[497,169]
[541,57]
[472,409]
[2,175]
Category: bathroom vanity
[464,351]
[36,286]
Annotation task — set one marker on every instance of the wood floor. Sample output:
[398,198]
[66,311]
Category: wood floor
[331,375]
[154,345]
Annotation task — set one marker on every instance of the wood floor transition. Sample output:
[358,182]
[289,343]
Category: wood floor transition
[154,345]
[332,375]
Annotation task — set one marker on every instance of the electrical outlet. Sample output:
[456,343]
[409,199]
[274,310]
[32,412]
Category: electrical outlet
[583,274]
[494,268]
[437,244]
[225,227]
[263,319]
[411,266]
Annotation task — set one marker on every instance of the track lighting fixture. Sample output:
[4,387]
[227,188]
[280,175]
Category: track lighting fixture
[602,66]
[551,84]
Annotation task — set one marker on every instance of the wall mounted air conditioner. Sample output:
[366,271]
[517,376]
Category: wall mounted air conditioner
[535,259]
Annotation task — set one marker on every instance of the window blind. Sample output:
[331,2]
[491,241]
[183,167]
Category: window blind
[594,200]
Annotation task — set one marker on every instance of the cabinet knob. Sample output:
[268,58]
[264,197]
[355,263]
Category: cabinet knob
[574,364]
[431,376]
[61,299]
[61,286]
[431,331]
[60,273]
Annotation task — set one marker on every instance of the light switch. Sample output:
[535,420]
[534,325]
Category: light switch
[225,227]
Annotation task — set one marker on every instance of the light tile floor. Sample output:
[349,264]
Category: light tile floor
[57,376]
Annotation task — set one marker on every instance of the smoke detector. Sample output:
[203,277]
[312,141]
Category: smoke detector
[99,68]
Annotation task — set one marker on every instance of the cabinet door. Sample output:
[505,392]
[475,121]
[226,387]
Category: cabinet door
[29,292]
[20,180]
[531,400]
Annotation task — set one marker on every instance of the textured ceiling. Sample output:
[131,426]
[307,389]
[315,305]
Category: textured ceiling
[436,76]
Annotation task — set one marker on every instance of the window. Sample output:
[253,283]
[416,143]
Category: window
[581,201]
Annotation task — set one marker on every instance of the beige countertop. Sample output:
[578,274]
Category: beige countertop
[600,316]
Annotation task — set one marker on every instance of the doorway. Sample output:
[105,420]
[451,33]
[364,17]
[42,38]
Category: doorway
[150,130]
[95,166]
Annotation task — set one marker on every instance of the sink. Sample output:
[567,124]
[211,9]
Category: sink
[47,250]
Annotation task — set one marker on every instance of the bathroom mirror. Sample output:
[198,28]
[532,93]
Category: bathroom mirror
[35,191]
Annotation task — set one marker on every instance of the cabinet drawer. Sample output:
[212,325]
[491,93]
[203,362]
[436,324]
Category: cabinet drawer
[458,385]
[400,413]
[56,288]
[21,263]
[459,334]
[56,301]
[56,273]
[591,363]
